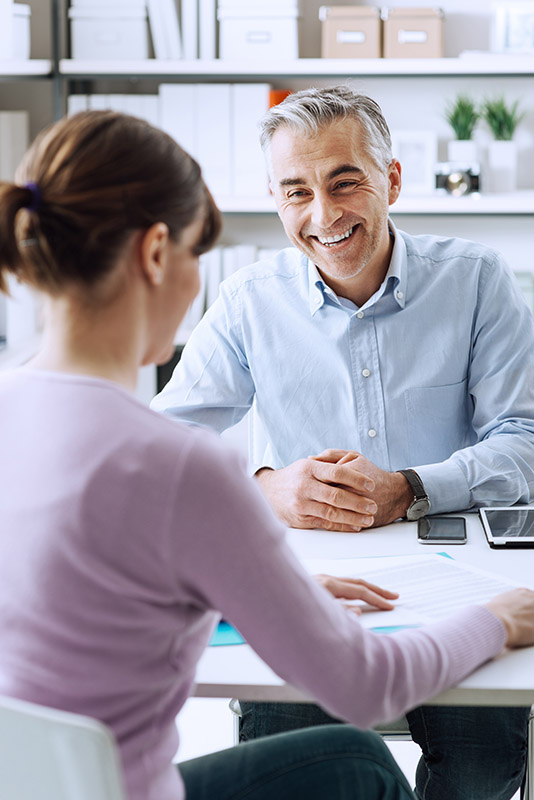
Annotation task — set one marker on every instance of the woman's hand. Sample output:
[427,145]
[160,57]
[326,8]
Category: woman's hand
[358,589]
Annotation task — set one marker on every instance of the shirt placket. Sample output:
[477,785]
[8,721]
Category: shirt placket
[367,383]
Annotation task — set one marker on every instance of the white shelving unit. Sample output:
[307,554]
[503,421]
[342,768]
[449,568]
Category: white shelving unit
[412,93]
[316,69]
[484,65]
[31,68]
[516,203]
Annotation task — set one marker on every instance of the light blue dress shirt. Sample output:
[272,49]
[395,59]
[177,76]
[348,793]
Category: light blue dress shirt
[434,372]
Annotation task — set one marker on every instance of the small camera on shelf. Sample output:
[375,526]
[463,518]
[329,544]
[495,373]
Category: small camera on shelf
[457,178]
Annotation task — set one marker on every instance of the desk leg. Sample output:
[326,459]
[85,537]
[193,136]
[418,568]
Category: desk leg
[528,789]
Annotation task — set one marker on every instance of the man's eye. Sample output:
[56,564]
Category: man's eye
[346,185]
[296,193]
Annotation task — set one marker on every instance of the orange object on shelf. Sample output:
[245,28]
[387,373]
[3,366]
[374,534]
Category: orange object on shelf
[277,95]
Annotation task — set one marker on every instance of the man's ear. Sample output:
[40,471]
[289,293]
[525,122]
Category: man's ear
[394,181]
[154,245]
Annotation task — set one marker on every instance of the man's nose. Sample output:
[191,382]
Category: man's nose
[325,212]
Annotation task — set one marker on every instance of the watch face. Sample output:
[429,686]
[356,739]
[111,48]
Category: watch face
[418,508]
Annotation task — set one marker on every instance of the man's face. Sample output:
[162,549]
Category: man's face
[333,200]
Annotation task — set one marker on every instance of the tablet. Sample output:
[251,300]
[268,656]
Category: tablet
[511,526]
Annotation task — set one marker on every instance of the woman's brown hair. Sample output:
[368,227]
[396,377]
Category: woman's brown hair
[84,185]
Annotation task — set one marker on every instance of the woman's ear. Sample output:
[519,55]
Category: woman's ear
[154,246]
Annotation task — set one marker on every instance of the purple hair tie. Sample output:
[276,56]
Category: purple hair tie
[36,198]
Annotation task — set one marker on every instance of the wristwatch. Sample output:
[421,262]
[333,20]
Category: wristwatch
[421,502]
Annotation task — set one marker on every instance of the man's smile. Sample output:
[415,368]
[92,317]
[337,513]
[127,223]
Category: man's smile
[330,241]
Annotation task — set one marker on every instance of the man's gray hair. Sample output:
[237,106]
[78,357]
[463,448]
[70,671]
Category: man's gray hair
[310,110]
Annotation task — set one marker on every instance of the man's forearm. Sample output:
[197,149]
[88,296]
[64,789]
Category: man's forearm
[498,470]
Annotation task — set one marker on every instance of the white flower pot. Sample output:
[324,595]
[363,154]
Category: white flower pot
[502,166]
[464,150]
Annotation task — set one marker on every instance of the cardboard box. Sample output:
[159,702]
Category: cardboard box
[257,31]
[108,32]
[413,32]
[350,32]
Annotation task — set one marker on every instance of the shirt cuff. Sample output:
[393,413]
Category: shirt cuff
[446,487]
[253,468]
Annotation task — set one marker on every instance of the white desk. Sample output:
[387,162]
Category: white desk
[236,671]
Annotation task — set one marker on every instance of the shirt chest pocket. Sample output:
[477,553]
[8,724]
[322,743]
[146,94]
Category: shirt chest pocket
[438,421]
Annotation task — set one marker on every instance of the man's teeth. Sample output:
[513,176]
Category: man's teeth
[333,239]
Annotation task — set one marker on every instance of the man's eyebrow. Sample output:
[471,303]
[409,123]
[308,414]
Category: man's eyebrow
[292,182]
[343,169]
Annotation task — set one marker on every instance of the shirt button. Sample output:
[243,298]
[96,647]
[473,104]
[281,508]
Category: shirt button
[366,373]
[400,295]
[360,315]
[371,433]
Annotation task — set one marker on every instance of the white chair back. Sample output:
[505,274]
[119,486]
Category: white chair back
[46,754]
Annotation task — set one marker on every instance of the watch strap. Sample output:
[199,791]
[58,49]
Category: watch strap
[420,506]
[415,482]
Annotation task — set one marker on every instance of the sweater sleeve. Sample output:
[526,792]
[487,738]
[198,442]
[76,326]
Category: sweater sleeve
[231,553]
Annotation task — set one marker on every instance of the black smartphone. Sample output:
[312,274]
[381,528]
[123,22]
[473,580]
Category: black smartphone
[441,530]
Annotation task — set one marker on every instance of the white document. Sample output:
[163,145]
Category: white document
[214,140]
[149,108]
[157,28]
[172,28]
[207,15]
[14,141]
[77,103]
[99,102]
[250,101]
[229,261]
[6,28]
[245,254]
[165,29]
[430,587]
[190,29]
[177,112]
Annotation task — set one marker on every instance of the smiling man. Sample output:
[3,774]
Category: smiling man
[389,375]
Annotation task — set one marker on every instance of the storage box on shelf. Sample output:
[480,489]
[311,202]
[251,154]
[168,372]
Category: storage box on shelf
[350,32]
[253,30]
[413,33]
[112,31]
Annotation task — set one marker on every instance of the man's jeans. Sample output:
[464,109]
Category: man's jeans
[469,753]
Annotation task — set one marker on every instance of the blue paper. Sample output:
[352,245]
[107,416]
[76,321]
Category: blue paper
[225,634]
[393,628]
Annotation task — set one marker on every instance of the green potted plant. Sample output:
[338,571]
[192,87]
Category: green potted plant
[502,119]
[462,115]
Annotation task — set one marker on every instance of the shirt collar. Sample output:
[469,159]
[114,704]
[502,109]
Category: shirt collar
[397,270]
[396,273]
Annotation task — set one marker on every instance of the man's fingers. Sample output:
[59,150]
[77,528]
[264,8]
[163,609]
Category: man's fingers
[337,527]
[333,456]
[344,475]
[338,498]
[331,516]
